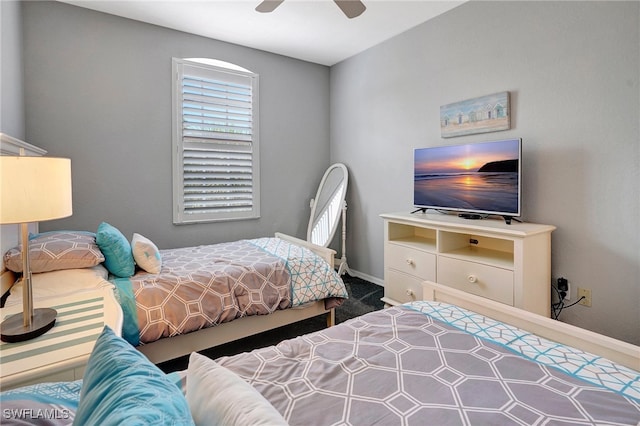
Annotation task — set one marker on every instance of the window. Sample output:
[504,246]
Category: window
[215,140]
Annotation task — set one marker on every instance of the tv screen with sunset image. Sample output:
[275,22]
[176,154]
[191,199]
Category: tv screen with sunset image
[479,177]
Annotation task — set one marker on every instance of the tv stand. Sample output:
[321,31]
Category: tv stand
[510,264]
[468,216]
[508,219]
[471,216]
[475,216]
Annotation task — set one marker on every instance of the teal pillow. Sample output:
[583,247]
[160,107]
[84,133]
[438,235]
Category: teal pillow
[121,386]
[118,258]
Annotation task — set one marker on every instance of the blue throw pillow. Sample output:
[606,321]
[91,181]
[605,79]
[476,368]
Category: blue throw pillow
[121,386]
[115,247]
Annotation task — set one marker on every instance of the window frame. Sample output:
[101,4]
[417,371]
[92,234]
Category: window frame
[216,70]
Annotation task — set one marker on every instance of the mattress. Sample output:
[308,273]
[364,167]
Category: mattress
[61,283]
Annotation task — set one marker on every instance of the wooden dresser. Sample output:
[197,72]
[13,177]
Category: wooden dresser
[510,264]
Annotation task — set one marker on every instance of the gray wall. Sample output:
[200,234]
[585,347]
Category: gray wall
[11,92]
[11,85]
[572,69]
[98,90]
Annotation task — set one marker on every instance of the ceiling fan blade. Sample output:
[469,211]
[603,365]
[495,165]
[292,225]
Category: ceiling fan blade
[268,6]
[351,8]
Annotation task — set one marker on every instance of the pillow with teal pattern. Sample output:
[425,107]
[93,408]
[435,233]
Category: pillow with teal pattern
[146,254]
[121,386]
[115,247]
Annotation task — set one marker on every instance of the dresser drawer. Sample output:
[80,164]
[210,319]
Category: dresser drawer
[411,261]
[401,287]
[482,280]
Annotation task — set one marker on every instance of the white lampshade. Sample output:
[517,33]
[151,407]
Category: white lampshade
[34,189]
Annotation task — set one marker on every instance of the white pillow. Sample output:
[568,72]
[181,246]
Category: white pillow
[146,254]
[218,396]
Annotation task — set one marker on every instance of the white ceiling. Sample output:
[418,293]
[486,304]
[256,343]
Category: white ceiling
[312,30]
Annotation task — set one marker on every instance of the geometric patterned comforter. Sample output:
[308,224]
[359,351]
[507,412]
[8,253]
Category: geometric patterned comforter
[423,363]
[415,364]
[203,286]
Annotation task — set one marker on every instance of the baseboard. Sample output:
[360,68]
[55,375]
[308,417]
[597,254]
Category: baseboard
[366,277]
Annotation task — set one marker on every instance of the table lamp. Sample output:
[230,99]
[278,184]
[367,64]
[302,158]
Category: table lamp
[33,189]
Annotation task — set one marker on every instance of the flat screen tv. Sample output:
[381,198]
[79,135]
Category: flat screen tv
[476,179]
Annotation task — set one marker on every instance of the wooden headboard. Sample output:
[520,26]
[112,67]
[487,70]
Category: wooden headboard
[615,350]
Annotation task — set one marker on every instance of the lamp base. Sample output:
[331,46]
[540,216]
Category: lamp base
[12,329]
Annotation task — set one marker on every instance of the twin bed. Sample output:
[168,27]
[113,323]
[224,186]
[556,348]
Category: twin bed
[200,294]
[431,362]
[194,297]
[427,362]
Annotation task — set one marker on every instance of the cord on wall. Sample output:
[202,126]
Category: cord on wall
[562,290]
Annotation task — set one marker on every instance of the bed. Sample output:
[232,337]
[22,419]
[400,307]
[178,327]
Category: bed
[181,300]
[426,362]
[306,286]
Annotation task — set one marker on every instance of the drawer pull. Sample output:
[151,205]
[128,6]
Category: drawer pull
[410,261]
[410,292]
[472,278]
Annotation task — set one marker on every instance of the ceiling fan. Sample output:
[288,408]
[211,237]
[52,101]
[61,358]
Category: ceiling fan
[351,8]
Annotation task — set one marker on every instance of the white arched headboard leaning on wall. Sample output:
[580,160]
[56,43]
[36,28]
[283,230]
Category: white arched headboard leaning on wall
[10,234]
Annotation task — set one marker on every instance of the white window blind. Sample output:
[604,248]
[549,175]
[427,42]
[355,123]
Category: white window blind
[216,157]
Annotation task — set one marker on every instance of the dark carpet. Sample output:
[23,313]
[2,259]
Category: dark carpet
[364,297]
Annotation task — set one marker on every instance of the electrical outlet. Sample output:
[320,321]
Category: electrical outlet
[586,293]
[564,286]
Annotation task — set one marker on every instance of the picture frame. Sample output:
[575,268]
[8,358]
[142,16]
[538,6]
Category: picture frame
[490,113]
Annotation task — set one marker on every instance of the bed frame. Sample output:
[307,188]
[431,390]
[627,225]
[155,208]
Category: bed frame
[615,350]
[177,346]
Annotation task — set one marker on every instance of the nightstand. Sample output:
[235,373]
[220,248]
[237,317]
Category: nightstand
[60,354]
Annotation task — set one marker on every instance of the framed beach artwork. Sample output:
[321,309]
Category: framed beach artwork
[479,115]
